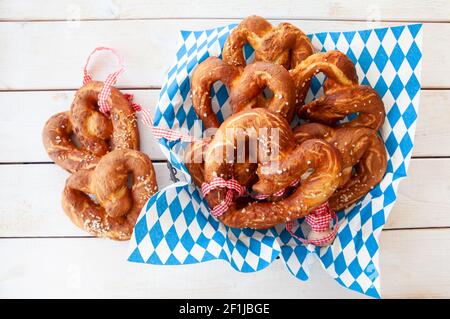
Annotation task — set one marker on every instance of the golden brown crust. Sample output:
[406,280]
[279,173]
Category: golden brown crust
[255,78]
[335,106]
[98,133]
[204,76]
[245,89]
[193,160]
[117,207]
[275,172]
[284,44]
[343,95]
[57,139]
[360,148]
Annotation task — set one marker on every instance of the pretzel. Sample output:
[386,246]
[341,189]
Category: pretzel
[360,148]
[274,173]
[57,139]
[343,94]
[193,160]
[117,207]
[97,133]
[245,88]
[284,44]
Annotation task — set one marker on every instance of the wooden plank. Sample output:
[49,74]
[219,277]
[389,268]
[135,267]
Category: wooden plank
[412,265]
[432,135]
[31,202]
[410,10]
[33,108]
[30,199]
[91,268]
[423,199]
[50,55]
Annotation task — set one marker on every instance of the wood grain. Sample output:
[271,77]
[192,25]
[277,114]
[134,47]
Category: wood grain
[95,268]
[432,136]
[32,109]
[41,57]
[33,60]
[86,267]
[414,263]
[407,10]
[30,204]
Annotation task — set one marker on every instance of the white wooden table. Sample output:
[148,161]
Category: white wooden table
[43,46]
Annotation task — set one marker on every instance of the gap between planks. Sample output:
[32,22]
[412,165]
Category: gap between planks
[380,10]
[408,21]
[93,237]
[33,206]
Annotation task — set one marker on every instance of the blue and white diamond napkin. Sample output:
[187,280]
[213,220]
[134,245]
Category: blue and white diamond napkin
[175,227]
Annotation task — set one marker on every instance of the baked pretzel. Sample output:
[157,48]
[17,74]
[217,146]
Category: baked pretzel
[193,160]
[57,139]
[361,149]
[245,88]
[284,44]
[342,93]
[275,172]
[97,133]
[117,207]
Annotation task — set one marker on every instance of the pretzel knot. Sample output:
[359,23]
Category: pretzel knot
[363,156]
[342,93]
[234,189]
[284,44]
[116,207]
[277,173]
[245,88]
[95,132]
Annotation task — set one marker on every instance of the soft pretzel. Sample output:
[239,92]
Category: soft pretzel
[245,88]
[276,172]
[360,148]
[193,160]
[284,44]
[117,207]
[57,138]
[98,133]
[342,93]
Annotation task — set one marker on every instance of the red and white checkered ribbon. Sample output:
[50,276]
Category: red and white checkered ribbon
[319,220]
[111,79]
[166,133]
[234,189]
[279,193]
[136,107]
[104,94]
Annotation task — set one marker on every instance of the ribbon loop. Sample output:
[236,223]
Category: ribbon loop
[111,79]
[234,189]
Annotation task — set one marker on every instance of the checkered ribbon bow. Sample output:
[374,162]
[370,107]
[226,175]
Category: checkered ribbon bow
[111,79]
[104,94]
[319,221]
[234,189]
